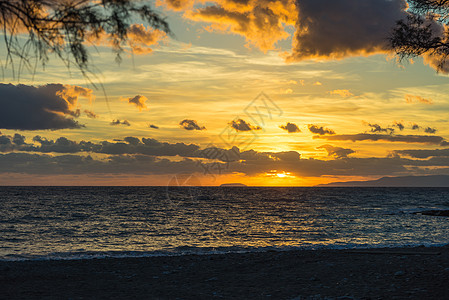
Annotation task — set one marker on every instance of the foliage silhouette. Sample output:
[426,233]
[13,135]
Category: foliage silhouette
[423,32]
[64,27]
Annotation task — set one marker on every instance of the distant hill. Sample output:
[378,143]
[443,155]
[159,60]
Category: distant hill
[403,181]
[233,184]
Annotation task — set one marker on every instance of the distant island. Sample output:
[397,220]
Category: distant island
[233,184]
[402,181]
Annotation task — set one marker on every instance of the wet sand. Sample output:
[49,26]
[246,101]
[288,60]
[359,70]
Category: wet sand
[399,273]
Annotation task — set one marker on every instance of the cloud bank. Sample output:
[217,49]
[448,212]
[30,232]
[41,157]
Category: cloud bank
[148,156]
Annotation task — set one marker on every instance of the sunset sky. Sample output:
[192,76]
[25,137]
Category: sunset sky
[265,93]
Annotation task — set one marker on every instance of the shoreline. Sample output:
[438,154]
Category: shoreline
[374,273]
[202,251]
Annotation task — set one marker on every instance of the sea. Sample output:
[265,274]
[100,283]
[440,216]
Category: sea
[58,223]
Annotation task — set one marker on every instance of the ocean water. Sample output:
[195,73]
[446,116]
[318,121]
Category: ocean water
[93,222]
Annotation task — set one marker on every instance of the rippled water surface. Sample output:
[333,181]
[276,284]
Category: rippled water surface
[78,222]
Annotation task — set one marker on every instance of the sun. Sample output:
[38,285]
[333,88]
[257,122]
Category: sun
[279,174]
[282,175]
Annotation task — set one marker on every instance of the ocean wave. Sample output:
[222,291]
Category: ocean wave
[189,250]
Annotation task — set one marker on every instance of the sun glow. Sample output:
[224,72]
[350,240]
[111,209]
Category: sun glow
[279,174]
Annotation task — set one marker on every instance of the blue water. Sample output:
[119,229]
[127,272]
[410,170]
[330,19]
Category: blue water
[86,222]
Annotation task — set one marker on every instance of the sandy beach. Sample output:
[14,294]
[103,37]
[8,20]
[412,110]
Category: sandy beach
[392,273]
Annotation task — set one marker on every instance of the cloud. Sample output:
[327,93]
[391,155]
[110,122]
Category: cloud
[390,129]
[175,4]
[242,125]
[76,164]
[417,99]
[336,151]
[426,129]
[118,122]
[129,145]
[290,127]
[28,163]
[153,126]
[138,101]
[61,145]
[11,143]
[399,125]
[191,125]
[422,153]
[336,29]
[435,60]
[263,22]
[148,156]
[140,38]
[320,130]
[420,139]
[51,106]
[430,130]
[90,114]
[342,93]
[378,128]
[324,29]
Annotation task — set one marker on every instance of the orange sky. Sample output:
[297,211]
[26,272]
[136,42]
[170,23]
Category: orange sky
[307,93]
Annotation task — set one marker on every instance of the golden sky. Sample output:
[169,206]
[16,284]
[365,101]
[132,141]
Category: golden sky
[260,92]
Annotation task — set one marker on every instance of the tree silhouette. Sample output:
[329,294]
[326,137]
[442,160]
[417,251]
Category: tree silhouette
[34,29]
[423,31]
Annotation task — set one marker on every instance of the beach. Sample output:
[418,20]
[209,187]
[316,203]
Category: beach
[384,273]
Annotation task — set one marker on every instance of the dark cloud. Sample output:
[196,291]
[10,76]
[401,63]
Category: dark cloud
[290,127]
[11,143]
[421,139]
[399,125]
[260,163]
[320,130]
[51,106]
[118,122]
[130,145]
[77,164]
[132,140]
[148,156]
[378,128]
[242,125]
[336,151]
[426,129]
[60,145]
[153,126]
[191,125]
[430,130]
[421,153]
[216,153]
[337,29]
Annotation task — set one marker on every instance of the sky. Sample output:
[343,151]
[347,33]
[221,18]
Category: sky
[265,93]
